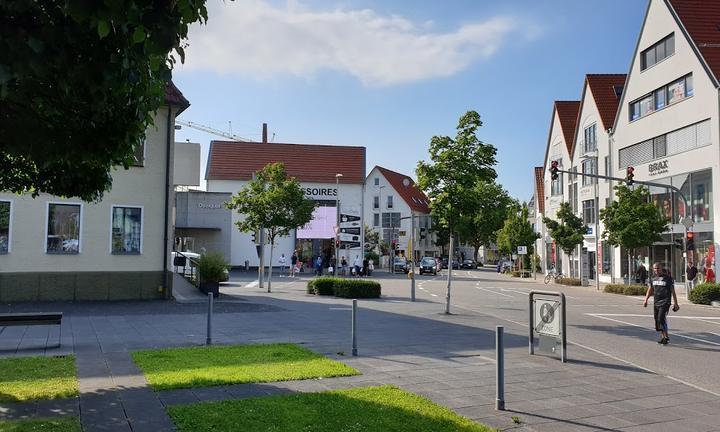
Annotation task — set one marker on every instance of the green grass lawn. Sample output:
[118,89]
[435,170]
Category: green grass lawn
[209,366]
[367,409]
[65,424]
[30,378]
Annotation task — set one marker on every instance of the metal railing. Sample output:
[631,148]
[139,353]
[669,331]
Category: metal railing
[189,267]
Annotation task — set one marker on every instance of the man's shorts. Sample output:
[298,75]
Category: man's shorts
[661,317]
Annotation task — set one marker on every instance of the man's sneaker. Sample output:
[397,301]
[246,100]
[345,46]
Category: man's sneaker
[664,341]
[661,340]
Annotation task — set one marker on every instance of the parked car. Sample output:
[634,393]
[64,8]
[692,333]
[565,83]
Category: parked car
[455,264]
[428,265]
[400,264]
[469,264]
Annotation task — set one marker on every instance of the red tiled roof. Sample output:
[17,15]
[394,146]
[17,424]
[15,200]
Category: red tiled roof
[567,112]
[701,18]
[233,160]
[413,196]
[173,96]
[606,98]
[540,189]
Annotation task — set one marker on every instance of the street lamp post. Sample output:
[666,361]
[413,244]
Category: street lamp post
[382,230]
[337,219]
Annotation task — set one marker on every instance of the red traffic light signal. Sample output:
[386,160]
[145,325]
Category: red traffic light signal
[690,241]
[629,174]
[337,243]
[554,170]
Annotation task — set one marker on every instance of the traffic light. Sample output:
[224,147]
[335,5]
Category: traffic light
[337,244]
[690,242]
[629,174]
[394,244]
[254,237]
[554,170]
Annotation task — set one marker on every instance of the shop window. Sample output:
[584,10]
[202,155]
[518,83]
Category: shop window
[126,230]
[607,253]
[4,227]
[701,184]
[63,229]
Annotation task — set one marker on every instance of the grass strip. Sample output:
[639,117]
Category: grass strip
[64,424]
[221,365]
[367,409]
[31,378]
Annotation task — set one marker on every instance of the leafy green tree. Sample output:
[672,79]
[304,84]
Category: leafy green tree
[632,221]
[79,84]
[272,202]
[456,166]
[568,232]
[487,208]
[517,231]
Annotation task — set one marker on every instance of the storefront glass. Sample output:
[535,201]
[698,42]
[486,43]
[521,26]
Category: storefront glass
[607,252]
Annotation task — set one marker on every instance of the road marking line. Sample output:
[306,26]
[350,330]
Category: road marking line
[495,292]
[675,334]
[252,284]
[339,308]
[650,316]
[524,325]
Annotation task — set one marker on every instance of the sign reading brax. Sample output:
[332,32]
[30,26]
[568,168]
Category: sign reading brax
[657,168]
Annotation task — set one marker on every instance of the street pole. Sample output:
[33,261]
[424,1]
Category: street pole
[382,229]
[449,277]
[412,256]
[337,222]
[597,233]
[261,267]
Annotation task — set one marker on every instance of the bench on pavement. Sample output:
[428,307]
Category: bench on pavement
[32,318]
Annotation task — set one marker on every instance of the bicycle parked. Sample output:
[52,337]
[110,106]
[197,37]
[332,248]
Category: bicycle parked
[553,275]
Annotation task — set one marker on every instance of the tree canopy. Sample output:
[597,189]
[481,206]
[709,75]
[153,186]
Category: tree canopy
[632,221]
[517,231]
[487,207]
[79,83]
[568,231]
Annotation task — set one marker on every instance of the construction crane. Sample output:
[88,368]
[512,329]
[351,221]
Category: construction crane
[210,130]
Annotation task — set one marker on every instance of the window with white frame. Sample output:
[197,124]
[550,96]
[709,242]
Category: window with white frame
[663,97]
[588,207]
[376,181]
[390,201]
[63,229]
[126,237]
[376,219]
[671,143]
[590,138]
[589,166]
[658,52]
[376,202]
[4,227]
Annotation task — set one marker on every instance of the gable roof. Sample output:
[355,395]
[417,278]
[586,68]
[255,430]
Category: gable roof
[701,20]
[606,98]
[174,97]
[567,112]
[234,160]
[411,194]
[540,189]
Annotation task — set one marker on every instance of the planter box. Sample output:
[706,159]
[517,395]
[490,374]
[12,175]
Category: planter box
[210,287]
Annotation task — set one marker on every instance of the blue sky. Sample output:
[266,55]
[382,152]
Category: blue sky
[388,75]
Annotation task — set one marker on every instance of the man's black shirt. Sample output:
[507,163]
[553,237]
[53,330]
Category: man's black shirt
[662,289]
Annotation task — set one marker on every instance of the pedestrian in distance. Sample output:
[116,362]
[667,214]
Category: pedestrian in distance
[293,264]
[662,288]
[365,263]
[282,261]
[356,265]
[641,274]
[692,272]
[319,266]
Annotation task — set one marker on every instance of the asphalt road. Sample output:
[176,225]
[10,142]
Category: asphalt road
[616,326]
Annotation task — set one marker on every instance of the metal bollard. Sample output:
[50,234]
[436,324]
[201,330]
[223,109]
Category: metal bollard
[208,339]
[354,328]
[499,369]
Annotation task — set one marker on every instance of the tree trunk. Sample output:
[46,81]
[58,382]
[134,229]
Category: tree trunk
[477,251]
[449,277]
[629,268]
[272,246]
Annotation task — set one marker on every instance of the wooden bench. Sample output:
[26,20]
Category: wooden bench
[33,318]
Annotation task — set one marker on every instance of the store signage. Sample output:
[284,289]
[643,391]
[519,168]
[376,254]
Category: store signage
[320,192]
[209,206]
[657,168]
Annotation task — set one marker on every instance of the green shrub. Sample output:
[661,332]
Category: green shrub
[357,288]
[705,293]
[625,289]
[310,287]
[568,281]
[372,256]
[212,267]
[325,285]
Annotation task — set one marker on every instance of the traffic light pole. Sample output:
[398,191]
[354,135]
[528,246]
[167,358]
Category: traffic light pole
[688,209]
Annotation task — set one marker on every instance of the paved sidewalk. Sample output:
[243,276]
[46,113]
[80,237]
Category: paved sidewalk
[449,359]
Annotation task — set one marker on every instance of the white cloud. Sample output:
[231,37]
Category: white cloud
[256,39]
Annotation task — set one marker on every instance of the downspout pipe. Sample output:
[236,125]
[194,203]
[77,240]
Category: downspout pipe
[168,149]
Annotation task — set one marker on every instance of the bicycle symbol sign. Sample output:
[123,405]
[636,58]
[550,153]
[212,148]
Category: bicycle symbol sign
[546,320]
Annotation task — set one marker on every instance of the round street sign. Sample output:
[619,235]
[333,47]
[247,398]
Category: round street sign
[547,313]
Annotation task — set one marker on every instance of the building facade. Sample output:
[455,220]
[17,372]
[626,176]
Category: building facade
[665,124]
[54,248]
[333,176]
[391,201]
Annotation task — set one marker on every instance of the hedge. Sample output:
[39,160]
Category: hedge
[705,293]
[568,281]
[521,274]
[347,288]
[354,288]
[625,289]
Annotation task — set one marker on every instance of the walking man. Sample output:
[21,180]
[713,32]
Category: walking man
[293,263]
[282,261]
[662,288]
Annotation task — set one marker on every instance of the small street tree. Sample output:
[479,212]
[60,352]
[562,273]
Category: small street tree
[272,202]
[479,226]
[567,231]
[517,231]
[632,221]
[456,166]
